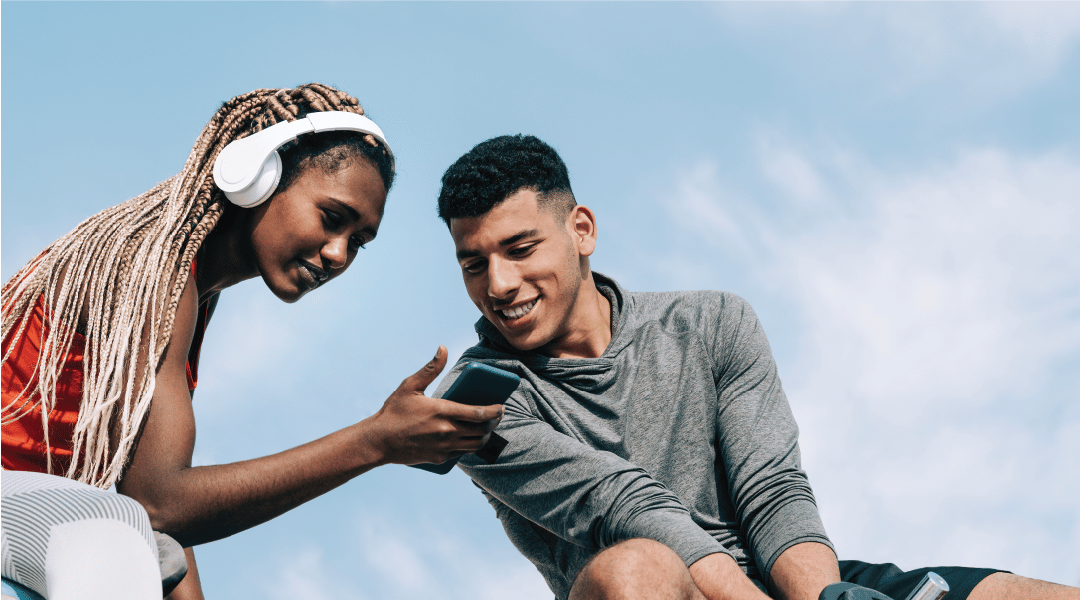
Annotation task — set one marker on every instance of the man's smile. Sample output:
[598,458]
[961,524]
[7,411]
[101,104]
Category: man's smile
[517,312]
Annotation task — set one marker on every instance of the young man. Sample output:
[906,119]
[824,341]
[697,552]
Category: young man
[651,452]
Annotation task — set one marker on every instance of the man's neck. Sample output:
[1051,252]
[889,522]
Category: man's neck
[590,327]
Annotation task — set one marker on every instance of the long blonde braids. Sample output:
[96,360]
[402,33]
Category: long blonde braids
[127,267]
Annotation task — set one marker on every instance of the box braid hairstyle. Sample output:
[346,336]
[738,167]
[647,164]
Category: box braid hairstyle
[128,265]
[495,169]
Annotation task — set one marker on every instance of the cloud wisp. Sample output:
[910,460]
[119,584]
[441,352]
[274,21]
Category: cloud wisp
[408,560]
[933,314]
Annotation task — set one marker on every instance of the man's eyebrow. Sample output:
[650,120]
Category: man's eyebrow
[508,241]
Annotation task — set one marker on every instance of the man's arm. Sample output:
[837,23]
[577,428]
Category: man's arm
[758,447]
[719,577]
[800,573]
[201,504]
[803,570]
[590,498]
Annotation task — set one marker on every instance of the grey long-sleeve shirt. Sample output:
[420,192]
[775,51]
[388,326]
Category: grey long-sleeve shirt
[680,432]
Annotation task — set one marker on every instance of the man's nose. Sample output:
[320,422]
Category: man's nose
[503,278]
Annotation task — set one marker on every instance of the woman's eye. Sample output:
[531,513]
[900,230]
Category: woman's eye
[332,218]
[357,243]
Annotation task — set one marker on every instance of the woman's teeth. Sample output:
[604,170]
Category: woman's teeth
[521,311]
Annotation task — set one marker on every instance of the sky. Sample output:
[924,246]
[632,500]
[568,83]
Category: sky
[895,188]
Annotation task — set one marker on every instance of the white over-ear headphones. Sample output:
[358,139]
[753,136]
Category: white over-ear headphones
[248,170]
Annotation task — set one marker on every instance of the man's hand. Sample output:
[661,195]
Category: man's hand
[411,428]
[850,591]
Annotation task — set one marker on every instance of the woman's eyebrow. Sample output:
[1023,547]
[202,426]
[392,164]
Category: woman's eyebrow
[353,213]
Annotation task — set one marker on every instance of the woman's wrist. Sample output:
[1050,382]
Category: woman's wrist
[369,445]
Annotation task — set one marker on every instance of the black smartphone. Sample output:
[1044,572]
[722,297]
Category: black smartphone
[478,385]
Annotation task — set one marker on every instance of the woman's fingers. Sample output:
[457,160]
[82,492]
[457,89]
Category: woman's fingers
[417,428]
[470,414]
[420,380]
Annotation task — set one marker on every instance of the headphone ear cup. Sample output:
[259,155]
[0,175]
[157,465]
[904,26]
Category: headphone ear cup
[263,187]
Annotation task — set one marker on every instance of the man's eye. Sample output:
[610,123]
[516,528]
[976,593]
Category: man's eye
[522,250]
[474,267]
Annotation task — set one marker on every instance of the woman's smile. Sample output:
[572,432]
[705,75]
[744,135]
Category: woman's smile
[311,275]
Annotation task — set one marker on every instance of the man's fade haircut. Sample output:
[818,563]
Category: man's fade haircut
[497,168]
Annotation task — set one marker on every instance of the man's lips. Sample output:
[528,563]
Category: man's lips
[516,312]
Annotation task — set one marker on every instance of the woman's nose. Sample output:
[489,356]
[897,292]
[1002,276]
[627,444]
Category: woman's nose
[336,252]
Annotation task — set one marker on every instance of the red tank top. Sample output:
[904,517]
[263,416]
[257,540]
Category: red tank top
[22,445]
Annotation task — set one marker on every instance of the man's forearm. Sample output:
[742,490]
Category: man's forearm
[803,570]
[719,577]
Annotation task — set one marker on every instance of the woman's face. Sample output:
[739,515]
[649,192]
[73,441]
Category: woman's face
[310,233]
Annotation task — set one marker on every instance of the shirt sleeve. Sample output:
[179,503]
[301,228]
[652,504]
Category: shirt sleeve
[588,497]
[758,441]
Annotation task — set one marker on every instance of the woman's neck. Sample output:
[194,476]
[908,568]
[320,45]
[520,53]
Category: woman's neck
[225,260]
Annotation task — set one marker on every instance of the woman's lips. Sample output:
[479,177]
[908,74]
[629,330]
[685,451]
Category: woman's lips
[312,275]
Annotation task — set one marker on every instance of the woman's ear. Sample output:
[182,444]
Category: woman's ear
[582,226]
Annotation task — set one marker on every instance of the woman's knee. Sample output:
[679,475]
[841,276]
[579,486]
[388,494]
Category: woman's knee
[71,540]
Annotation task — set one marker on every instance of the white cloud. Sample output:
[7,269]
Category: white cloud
[789,170]
[1045,31]
[978,52]
[956,283]
[934,313]
[304,576]
[429,561]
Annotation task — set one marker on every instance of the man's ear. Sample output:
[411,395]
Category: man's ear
[581,225]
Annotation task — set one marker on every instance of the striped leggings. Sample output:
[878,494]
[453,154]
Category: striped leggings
[66,540]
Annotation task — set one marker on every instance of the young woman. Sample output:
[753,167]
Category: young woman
[101,338]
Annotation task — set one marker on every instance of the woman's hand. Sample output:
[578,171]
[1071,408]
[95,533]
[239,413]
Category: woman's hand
[411,428]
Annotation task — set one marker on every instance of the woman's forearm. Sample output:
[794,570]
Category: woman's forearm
[196,505]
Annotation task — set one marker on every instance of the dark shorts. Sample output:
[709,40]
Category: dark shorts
[888,579]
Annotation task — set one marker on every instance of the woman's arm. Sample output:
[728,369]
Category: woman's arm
[196,505]
[190,587]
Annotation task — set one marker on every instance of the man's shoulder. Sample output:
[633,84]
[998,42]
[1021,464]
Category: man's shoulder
[686,306]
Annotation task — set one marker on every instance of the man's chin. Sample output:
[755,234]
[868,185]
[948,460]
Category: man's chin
[521,341]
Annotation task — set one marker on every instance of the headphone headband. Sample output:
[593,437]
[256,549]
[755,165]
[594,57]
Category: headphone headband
[248,170]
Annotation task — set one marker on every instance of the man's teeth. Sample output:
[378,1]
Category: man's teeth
[521,311]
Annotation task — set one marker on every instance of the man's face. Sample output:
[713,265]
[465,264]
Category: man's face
[522,268]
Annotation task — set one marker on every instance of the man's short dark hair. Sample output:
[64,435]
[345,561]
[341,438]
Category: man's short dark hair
[497,168]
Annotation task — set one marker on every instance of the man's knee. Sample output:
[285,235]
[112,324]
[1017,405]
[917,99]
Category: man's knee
[633,569]
[1006,586]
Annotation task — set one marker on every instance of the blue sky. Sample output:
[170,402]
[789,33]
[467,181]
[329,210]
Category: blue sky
[894,187]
